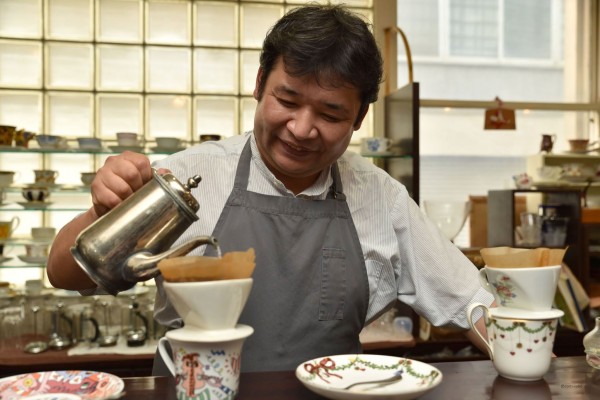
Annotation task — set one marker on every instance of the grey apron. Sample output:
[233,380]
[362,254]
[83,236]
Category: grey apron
[310,292]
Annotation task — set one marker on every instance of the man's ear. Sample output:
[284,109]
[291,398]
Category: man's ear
[361,117]
[259,76]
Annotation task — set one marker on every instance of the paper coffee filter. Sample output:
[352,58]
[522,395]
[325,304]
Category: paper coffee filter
[509,257]
[233,265]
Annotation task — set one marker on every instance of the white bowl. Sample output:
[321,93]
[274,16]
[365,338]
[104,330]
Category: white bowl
[449,216]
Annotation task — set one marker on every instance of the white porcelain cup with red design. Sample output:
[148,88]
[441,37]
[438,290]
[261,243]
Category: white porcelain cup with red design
[206,363]
[519,342]
[525,288]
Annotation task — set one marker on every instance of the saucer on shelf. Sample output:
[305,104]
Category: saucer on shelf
[34,205]
[4,259]
[166,149]
[377,154]
[120,149]
[34,259]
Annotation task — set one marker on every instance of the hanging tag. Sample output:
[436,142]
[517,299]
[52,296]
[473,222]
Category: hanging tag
[500,117]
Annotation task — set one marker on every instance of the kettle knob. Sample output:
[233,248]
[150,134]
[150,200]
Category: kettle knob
[192,182]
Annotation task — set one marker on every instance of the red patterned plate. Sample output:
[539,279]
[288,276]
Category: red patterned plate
[86,385]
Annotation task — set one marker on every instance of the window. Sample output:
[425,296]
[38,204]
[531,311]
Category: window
[467,52]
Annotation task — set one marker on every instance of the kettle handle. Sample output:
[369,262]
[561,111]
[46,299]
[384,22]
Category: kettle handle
[143,266]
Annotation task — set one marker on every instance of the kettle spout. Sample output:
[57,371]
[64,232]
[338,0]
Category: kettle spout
[143,266]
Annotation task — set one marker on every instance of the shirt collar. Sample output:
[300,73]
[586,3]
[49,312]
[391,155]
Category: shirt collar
[317,190]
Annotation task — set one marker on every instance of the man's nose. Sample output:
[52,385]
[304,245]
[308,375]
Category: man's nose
[302,124]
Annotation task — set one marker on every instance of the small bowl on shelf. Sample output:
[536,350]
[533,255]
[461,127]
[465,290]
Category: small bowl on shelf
[89,143]
[51,141]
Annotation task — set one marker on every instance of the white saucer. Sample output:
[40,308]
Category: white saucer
[34,205]
[329,377]
[202,335]
[120,149]
[4,259]
[167,149]
[33,259]
[509,312]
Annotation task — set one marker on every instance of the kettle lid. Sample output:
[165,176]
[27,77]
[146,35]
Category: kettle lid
[180,192]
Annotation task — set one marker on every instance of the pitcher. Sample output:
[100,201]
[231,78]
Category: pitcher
[124,246]
[547,142]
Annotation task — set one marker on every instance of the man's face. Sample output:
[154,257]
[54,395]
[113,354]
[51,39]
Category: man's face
[301,128]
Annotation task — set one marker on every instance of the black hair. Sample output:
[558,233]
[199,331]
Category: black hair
[329,43]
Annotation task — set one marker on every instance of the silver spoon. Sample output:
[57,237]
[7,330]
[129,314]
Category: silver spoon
[380,382]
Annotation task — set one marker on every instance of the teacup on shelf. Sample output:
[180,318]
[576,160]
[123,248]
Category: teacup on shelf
[6,178]
[45,177]
[43,233]
[51,141]
[89,143]
[168,142]
[35,193]
[87,178]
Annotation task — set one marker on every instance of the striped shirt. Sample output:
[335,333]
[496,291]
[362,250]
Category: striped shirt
[406,256]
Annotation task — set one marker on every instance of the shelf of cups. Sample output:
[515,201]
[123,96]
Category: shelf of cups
[52,188]
[41,207]
[22,241]
[116,150]
[16,263]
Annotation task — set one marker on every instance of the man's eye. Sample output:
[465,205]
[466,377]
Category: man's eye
[331,118]
[286,103]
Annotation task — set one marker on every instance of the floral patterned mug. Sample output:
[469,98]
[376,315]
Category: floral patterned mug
[519,342]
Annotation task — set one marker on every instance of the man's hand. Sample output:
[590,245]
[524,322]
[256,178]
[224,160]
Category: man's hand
[117,179]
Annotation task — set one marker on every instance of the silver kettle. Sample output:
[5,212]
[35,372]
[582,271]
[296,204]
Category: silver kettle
[124,246]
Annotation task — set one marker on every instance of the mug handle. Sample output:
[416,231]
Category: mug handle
[14,223]
[484,280]
[470,311]
[165,355]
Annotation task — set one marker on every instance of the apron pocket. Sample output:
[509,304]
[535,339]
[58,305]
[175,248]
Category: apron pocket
[333,284]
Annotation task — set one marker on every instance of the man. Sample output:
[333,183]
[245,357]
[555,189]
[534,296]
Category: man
[337,240]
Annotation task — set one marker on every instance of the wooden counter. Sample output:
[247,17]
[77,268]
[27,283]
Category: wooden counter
[13,361]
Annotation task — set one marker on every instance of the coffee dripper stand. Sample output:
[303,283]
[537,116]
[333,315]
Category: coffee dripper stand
[107,339]
[136,336]
[58,339]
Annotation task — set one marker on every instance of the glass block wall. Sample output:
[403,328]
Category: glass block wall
[157,67]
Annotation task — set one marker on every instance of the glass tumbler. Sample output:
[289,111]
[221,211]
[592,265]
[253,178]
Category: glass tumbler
[11,328]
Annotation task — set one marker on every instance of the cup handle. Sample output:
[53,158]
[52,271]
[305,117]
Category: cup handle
[470,310]
[484,281]
[14,223]
[165,354]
